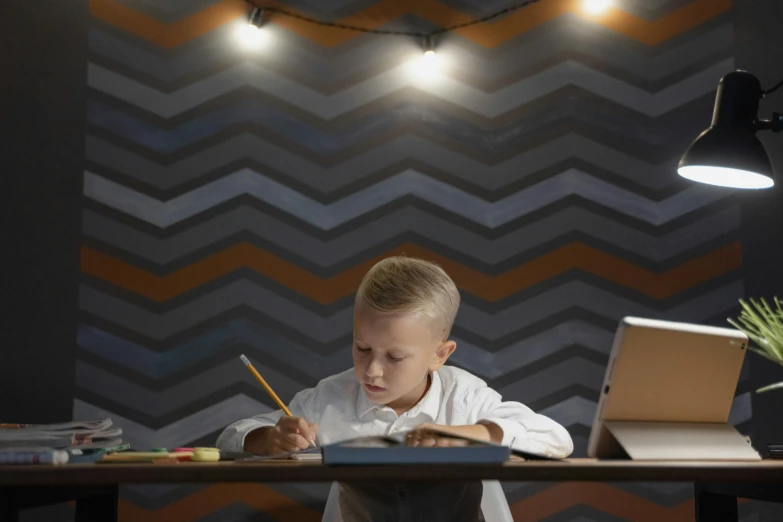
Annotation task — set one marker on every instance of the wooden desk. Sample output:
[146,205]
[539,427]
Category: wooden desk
[95,486]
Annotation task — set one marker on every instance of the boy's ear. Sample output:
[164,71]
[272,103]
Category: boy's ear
[442,353]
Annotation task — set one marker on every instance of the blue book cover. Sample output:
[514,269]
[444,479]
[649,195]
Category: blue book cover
[394,449]
[344,454]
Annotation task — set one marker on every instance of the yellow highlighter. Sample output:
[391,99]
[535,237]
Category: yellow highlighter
[268,389]
[205,455]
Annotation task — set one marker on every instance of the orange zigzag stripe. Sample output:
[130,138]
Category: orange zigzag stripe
[575,256]
[487,35]
[215,497]
[599,496]
[540,506]
[625,506]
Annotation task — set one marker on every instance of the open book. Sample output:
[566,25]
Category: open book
[395,449]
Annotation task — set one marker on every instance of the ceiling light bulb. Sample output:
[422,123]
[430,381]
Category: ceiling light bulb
[596,6]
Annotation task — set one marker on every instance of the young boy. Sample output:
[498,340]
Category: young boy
[403,314]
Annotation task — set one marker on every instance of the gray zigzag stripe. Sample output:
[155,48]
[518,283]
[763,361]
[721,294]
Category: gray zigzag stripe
[488,364]
[572,294]
[409,182]
[335,253]
[567,373]
[160,403]
[326,68]
[575,410]
[532,349]
[482,362]
[607,304]
[328,179]
[181,432]
[487,104]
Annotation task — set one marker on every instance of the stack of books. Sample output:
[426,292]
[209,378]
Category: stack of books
[76,441]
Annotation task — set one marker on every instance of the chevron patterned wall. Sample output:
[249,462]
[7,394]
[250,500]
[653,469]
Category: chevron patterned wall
[234,198]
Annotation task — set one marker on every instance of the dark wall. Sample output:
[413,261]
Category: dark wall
[43,102]
[760,51]
[42,99]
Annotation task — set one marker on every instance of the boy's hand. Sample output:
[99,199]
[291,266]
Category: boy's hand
[289,434]
[483,431]
[422,436]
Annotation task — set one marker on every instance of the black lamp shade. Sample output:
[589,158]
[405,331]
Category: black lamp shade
[728,153]
[727,157]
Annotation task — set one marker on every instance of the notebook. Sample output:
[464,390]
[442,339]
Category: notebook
[390,450]
[393,449]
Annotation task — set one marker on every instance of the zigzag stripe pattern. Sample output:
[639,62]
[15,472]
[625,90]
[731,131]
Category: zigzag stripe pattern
[407,183]
[234,199]
[314,176]
[481,249]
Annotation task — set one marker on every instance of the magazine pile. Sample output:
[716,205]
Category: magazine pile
[75,441]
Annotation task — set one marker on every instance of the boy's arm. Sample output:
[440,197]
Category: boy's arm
[521,427]
[508,423]
[233,438]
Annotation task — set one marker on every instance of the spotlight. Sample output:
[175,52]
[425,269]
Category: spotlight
[429,48]
[596,6]
[426,66]
[252,35]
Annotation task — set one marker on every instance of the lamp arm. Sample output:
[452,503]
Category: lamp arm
[775,124]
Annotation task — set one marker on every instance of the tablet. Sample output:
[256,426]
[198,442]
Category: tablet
[667,371]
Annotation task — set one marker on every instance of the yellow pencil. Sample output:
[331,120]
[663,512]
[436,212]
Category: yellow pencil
[268,389]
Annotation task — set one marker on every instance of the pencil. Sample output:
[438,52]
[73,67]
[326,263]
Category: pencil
[268,388]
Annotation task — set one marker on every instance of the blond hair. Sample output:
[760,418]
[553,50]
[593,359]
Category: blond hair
[402,284]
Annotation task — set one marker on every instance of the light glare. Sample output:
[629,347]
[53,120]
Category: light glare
[251,37]
[425,66]
[596,6]
[725,177]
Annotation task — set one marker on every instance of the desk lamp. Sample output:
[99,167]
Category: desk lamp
[729,154]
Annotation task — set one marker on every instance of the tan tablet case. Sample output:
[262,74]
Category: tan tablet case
[667,393]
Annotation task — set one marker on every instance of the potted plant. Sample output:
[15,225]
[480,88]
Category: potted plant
[764,327]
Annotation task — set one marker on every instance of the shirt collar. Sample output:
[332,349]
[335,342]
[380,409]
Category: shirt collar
[429,405]
[363,404]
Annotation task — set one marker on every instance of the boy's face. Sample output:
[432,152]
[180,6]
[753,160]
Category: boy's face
[392,355]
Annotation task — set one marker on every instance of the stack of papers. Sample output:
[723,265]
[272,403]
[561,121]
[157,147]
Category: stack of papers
[56,443]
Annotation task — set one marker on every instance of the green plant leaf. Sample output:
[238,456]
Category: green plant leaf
[766,355]
[763,325]
[770,387]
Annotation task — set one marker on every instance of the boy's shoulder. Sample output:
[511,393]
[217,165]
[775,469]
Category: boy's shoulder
[455,379]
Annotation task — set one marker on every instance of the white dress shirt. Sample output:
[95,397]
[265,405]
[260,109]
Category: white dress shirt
[342,411]
[455,397]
